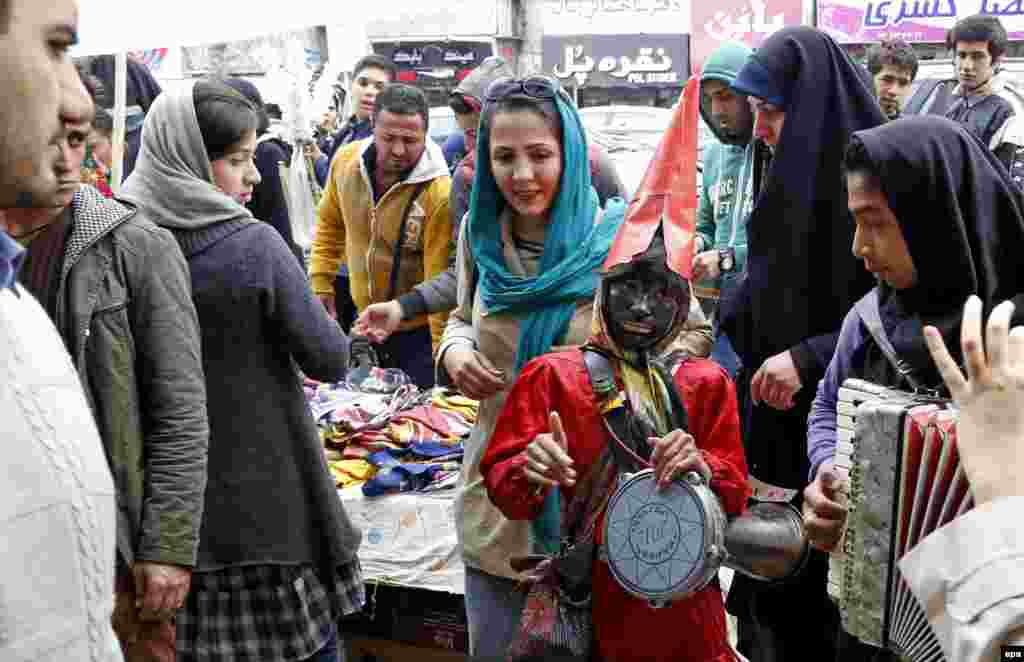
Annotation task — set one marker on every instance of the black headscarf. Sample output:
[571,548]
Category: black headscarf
[802,277]
[963,221]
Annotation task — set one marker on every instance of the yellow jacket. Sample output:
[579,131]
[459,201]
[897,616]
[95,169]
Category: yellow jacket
[353,230]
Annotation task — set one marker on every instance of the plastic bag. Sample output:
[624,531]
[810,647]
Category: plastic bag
[303,199]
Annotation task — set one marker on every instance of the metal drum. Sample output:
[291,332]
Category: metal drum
[665,545]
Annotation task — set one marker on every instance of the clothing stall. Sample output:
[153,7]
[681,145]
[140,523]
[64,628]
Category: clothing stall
[395,453]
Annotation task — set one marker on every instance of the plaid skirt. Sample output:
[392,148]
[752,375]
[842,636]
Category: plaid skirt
[265,612]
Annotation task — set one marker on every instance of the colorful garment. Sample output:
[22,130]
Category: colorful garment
[625,627]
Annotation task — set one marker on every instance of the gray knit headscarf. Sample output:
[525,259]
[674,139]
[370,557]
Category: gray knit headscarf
[172,183]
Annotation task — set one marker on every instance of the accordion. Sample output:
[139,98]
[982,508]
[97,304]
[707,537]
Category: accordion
[904,480]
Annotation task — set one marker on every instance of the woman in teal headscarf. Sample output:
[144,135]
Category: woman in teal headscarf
[527,263]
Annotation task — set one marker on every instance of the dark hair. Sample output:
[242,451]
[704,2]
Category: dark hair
[98,92]
[273,111]
[252,93]
[224,116]
[402,99]
[980,27]
[857,161]
[376,62]
[546,109]
[5,16]
[892,53]
[103,122]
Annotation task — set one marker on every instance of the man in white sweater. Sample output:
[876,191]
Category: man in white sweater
[57,508]
[969,575]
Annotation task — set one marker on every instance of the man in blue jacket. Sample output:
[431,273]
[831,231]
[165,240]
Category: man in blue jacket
[727,191]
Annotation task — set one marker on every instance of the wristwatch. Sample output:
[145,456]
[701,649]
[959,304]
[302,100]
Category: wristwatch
[726,259]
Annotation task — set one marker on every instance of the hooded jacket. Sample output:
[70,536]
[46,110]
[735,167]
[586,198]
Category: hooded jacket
[125,311]
[360,231]
[726,196]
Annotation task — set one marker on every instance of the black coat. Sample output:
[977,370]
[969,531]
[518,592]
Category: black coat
[269,496]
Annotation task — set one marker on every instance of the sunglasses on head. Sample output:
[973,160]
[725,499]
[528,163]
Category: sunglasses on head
[463,104]
[538,87]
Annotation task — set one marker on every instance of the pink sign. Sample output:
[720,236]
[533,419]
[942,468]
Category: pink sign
[749,21]
[866,21]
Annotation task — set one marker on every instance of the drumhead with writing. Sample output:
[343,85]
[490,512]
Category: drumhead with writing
[655,541]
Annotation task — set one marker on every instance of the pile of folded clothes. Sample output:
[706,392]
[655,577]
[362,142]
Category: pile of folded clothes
[388,441]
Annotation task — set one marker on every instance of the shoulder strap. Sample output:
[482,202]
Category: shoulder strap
[867,309]
[397,262]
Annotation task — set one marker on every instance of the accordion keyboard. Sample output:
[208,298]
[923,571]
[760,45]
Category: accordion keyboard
[851,395]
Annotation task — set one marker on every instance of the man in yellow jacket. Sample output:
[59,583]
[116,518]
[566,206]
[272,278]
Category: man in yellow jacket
[385,215]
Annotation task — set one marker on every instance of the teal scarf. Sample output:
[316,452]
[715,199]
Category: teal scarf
[574,250]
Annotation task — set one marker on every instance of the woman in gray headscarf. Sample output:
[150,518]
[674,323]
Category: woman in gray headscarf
[277,559]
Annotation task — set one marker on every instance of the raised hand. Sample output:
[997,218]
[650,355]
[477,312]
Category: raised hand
[547,457]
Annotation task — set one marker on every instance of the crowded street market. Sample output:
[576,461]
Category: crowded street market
[528,330]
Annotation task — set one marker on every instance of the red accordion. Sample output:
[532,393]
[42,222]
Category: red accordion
[905,480]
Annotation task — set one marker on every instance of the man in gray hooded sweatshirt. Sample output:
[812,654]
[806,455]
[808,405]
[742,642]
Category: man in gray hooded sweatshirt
[727,192]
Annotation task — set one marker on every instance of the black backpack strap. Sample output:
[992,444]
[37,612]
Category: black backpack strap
[867,310]
[397,263]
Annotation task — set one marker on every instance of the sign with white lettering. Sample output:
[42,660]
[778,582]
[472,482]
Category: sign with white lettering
[748,21]
[865,21]
[634,60]
[429,54]
[572,17]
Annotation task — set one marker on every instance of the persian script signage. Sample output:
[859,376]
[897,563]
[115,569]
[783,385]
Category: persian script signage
[618,60]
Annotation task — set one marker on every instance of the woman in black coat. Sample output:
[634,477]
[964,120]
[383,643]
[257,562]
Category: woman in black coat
[277,564]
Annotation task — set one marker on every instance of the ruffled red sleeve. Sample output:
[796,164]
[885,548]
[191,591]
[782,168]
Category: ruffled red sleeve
[553,382]
[523,417]
[710,399]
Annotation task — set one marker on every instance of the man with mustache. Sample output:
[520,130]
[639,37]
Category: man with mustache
[384,215]
[59,502]
[117,288]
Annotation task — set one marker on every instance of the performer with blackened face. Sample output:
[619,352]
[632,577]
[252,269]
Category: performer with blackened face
[555,431]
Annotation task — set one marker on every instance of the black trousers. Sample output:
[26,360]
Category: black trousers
[343,302]
[795,621]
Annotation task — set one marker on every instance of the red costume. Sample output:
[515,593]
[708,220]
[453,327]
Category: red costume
[625,627]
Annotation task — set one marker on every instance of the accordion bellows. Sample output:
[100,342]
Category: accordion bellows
[904,481]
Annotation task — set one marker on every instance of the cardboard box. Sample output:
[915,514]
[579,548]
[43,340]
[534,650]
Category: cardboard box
[427,619]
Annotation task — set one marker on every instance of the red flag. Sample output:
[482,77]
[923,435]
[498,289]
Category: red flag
[667,195]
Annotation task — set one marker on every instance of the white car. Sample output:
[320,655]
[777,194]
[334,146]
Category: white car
[630,135]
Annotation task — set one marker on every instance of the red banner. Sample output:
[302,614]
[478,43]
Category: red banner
[749,21]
